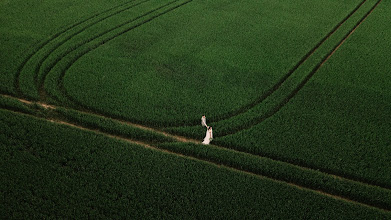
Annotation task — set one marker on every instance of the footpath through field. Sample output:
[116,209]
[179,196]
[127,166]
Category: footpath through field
[294,175]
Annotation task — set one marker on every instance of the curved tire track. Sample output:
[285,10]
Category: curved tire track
[276,86]
[274,110]
[102,40]
[251,105]
[304,82]
[39,73]
[280,105]
[50,39]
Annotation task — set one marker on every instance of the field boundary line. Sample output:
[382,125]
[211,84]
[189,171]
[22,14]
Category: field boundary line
[182,139]
[42,44]
[325,59]
[217,165]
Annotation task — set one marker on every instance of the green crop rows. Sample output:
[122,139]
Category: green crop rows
[100,106]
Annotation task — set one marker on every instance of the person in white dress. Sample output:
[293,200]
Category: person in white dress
[203,121]
[209,136]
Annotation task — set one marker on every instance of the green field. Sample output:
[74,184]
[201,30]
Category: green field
[100,107]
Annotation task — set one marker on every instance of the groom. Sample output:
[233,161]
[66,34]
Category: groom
[203,121]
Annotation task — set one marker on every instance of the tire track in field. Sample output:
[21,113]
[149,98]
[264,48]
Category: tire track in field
[330,55]
[276,86]
[212,163]
[246,108]
[278,159]
[291,71]
[280,105]
[40,84]
[271,91]
[200,158]
[38,69]
[103,41]
[50,39]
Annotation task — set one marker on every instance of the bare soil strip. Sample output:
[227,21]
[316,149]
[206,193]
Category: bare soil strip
[220,166]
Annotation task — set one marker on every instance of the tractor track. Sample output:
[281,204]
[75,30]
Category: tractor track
[272,90]
[276,86]
[101,42]
[184,139]
[280,105]
[41,45]
[38,69]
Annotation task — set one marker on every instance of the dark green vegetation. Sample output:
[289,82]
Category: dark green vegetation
[340,121]
[297,92]
[214,59]
[82,174]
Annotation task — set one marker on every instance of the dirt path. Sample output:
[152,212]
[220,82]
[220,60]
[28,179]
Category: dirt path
[220,166]
[180,139]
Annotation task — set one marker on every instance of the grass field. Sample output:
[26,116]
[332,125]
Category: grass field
[101,102]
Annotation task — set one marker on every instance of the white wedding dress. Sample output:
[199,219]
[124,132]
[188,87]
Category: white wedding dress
[208,136]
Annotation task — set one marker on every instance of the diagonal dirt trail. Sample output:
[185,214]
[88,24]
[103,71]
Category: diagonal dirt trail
[49,106]
[187,140]
[220,166]
[176,137]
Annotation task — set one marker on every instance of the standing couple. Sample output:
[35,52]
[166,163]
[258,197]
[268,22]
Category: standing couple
[209,132]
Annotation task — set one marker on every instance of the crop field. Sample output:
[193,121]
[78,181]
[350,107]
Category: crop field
[100,107]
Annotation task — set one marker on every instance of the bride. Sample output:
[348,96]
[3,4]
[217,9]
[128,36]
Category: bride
[209,136]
